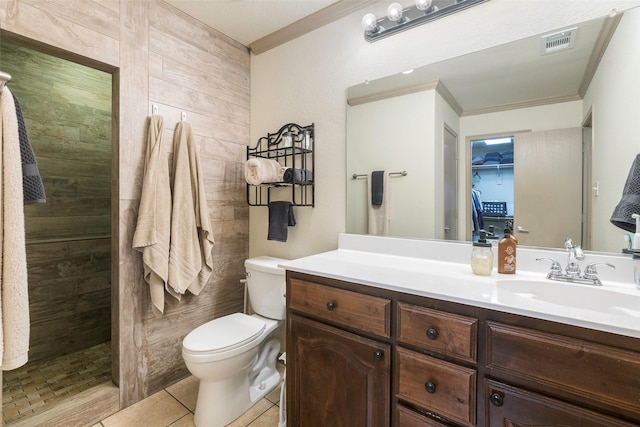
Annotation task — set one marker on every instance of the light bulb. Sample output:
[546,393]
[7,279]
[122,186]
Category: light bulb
[425,5]
[394,13]
[369,23]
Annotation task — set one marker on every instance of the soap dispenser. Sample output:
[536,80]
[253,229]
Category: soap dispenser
[507,254]
[482,256]
[636,237]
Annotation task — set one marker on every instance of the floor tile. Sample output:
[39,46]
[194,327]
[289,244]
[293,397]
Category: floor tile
[274,396]
[186,391]
[252,414]
[186,421]
[270,418]
[160,409]
[42,385]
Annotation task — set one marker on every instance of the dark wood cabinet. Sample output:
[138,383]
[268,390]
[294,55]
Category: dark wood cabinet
[339,379]
[359,355]
[514,407]
[436,385]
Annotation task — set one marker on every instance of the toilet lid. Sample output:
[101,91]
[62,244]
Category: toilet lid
[224,333]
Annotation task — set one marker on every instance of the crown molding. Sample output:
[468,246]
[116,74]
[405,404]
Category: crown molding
[307,24]
[604,37]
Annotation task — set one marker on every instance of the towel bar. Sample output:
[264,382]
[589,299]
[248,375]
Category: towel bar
[360,175]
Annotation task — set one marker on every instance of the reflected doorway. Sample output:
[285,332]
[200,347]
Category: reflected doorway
[492,187]
[450,150]
[547,187]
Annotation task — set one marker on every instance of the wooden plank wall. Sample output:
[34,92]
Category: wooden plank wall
[67,111]
[157,56]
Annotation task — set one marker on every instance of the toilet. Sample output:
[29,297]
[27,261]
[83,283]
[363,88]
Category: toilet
[235,356]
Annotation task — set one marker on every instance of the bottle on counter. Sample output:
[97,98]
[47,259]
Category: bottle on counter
[482,256]
[636,269]
[507,254]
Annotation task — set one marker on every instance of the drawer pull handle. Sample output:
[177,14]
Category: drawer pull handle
[497,399]
[432,334]
[430,387]
[331,305]
[378,355]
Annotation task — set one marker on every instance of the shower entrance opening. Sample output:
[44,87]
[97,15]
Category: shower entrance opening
[67,109]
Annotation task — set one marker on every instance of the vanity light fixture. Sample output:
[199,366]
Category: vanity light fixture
[399,19]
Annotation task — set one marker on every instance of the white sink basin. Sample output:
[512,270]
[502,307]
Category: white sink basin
[602,299]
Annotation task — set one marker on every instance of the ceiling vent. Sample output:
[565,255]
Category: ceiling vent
[552,43]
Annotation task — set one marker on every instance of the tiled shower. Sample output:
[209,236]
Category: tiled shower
[68,111]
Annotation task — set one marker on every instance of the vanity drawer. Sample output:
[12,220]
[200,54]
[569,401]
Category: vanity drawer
[447,389]
[342,307]
[567,367]
[438,331]
[408,418]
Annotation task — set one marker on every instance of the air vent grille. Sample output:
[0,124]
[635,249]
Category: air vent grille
[552,43]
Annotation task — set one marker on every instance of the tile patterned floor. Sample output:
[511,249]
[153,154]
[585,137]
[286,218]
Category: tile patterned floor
[39,386]
[174,407]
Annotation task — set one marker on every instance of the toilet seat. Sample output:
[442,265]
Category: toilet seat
[223,334]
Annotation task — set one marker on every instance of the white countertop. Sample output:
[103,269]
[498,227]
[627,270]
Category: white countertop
[420,267]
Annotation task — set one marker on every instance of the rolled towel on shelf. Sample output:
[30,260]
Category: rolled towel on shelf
[258,171]
[300,175]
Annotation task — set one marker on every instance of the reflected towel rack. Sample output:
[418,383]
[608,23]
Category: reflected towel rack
[360,175]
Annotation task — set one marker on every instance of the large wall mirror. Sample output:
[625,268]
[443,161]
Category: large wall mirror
[581,78]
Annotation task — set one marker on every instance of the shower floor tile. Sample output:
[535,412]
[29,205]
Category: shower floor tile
[38,386]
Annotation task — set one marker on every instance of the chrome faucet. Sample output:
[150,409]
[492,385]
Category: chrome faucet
[572,272]
[575,254]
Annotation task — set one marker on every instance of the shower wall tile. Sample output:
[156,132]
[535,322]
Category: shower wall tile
[169,59]
[132,297]
[63,28]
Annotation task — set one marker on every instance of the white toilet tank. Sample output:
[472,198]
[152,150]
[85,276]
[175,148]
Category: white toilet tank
[266,284]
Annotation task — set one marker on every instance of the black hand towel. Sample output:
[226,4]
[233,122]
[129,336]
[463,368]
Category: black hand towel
[377,187]
[280,217]
[630,201]
[300,175]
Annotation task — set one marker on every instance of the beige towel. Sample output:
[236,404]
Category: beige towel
[190,258]
[379,215]
[154,216]
[259,170]
[14,289]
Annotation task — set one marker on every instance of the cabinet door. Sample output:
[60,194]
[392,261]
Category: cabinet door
[513,407]
[335,378]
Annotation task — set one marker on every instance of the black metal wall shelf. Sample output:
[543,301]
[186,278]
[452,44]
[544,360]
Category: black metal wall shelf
[292,146]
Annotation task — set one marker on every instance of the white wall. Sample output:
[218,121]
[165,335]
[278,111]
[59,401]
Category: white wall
[375,132]
[305,81]
[611,84]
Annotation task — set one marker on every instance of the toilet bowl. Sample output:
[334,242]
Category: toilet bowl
[234,356]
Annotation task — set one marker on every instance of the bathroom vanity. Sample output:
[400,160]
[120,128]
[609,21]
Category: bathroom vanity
[378,338]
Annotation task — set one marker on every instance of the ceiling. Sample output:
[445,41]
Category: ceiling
[254,23]
[247,21]
[504,77]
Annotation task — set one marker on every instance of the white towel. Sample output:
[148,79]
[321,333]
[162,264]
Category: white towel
[379,215]
[154,216]
[190,258]
[14,289]
[259,170]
